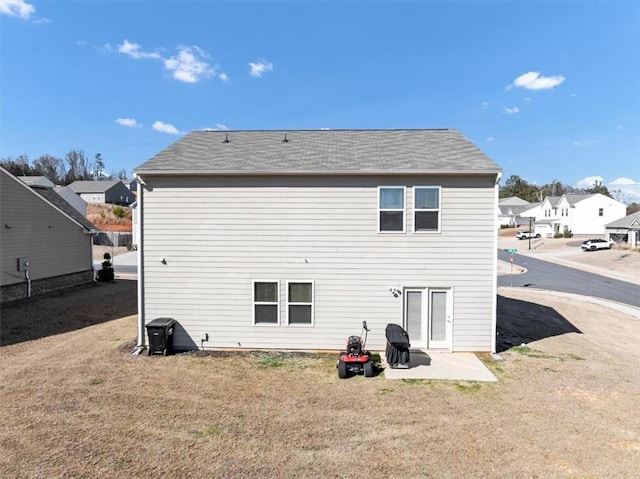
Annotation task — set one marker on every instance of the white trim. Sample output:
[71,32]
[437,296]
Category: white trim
[254,303]
[404,208]
[312,304]
[438,209]
[140,259]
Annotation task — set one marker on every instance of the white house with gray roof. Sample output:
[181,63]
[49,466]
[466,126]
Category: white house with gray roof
[625,230]
[584,215]
[290,239]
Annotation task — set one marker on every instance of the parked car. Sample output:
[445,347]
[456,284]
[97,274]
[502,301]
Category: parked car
[594,244]
[527,234]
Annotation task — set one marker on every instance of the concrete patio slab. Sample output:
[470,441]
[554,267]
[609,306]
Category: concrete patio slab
[446,366]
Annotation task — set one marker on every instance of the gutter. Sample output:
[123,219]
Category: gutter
[140,253]
[494,286]
[361,172]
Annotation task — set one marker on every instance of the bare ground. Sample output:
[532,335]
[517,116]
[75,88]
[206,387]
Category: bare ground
[77,404]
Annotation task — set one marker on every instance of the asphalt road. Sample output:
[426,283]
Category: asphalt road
[546,275]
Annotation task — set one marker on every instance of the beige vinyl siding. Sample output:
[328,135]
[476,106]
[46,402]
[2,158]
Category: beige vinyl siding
[54,244]
[218,235]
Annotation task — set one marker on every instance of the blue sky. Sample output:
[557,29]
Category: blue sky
[549,90]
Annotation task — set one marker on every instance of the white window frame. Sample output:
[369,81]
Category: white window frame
[312,304]
[438,209]
[254,302]
[404,209]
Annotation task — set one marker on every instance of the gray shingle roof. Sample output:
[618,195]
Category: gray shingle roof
[626,222]
[92,186]
[59,202]
[573,199]
[321,152]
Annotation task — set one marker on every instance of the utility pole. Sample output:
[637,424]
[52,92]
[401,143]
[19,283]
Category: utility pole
[530,231]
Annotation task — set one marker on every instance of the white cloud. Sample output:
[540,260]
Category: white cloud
[216,127]
[130,122]
[165,128]
[490,139]
[573,95]
[135,51]
[620,127]
[188,65]
[485,105]
[256,70]
[629,189]
[17,8]
[535,81]
[81,43]
[325,129]
[223,77]
[510,110]
[623,181]
[42,21]
[589,181]
[527,99]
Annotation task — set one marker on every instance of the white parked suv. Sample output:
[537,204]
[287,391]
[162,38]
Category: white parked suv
[527,234]
[594,244]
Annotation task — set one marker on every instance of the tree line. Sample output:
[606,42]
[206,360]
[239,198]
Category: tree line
[75,166]
[516,186]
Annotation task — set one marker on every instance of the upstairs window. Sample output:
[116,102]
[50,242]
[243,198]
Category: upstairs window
[265,302]
[300,302]
[600,211]
[426,208]
[391,208]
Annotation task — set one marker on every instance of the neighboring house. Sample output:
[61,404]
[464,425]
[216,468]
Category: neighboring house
[108,191]
[289,240]
[37,181]
[72,198]
[510,212]
[579,214]
[625,230]
[512,201]
[511,216]
[528,215]
[45,243]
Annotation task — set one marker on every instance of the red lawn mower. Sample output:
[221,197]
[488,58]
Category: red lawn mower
[356,359]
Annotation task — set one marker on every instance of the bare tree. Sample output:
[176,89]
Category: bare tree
[51,167]
[78,167]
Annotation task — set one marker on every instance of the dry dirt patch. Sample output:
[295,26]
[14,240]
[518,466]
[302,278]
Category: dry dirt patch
[78,405]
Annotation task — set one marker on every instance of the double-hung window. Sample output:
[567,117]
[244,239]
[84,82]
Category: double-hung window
[391,207]
[265,302]
[426,208]
[300,302]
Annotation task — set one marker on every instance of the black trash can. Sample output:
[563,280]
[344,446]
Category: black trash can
[160,332]
[397,347]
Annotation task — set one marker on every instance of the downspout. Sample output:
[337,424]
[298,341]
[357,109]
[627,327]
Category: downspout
[26,275]
[494,306]
[140,253]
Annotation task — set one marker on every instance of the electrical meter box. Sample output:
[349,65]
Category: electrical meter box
[23,264]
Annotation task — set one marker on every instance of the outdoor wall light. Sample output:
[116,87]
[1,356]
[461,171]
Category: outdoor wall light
[8,226]
[163,261]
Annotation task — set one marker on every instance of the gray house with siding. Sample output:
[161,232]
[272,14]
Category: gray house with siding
[109,191]
[289,240]
[45,244]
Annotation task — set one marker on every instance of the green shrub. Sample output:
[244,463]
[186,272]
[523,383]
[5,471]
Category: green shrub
[567,234]
[119,212]
[557,235]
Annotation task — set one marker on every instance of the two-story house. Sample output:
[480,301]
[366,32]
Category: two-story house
[289,240]
[579,214]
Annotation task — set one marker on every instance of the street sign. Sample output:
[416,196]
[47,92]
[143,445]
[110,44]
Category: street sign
[511,250]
